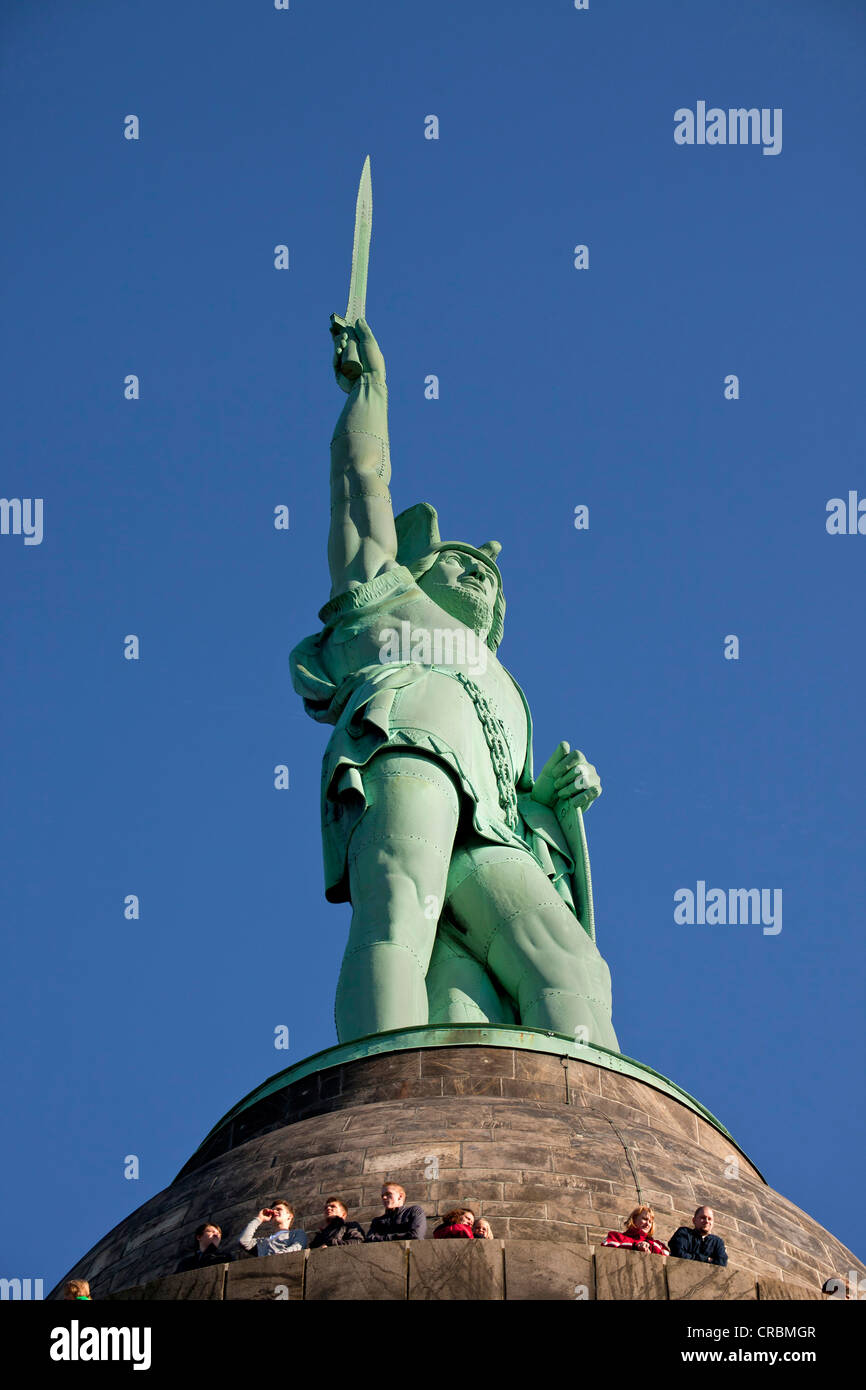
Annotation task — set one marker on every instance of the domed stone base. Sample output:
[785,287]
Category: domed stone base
[552,1142]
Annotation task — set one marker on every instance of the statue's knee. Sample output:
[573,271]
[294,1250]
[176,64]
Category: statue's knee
[384,955]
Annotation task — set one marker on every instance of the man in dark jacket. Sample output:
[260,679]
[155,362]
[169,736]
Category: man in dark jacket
[338,1229]
[398,1222]
[207,1252]
[699,1243]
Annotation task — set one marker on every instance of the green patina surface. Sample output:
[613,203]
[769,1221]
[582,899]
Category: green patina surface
[470,1035]
[468,875]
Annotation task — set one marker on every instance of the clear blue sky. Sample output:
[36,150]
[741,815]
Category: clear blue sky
[558,387]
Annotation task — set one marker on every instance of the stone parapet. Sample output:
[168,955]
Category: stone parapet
[462,1270]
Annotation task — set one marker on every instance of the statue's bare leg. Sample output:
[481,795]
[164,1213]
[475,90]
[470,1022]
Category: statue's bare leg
[399,854]
[522,932]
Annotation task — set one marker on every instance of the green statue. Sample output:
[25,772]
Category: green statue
[468,878]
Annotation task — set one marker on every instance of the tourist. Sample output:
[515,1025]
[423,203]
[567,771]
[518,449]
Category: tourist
[397,1222]
[77,1290]
[282,1240]
[638,1234]
[206,1249]
[338,1229]
[456,1225]
[699,1243]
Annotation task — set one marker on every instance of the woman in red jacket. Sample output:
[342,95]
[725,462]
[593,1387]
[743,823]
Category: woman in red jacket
[638,1234]
[456,1225]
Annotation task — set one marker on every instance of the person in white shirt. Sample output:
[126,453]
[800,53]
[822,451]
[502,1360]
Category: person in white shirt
[280,1241]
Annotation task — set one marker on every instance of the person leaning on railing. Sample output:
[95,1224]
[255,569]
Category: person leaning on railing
[338,1229]
[638,1234]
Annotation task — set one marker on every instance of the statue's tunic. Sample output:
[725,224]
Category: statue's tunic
[459,706]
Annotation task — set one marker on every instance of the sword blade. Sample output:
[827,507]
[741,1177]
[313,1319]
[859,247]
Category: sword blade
[361,246]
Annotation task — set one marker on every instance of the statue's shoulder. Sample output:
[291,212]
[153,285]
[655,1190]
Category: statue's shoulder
[360,594]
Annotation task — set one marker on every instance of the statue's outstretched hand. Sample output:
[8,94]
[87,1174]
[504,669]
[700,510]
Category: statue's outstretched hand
[567,776]
[357,354]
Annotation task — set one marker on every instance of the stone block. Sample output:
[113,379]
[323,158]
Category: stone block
[730,1201]
[455,1270]
[575,1212]
[382,1067]
[333,1167]
[662,1204]
[407,1160]
[431,1134]
[122,1275]
[629,1274]
[585,1077]
[801,1235]
[594,1158]
[475,1061]
[478,1173]
[205,1285]
[458,1085]
[166,1222]
[312,1144]
[543,1191]
[542,1067]
[271,1279]
[712,1142]
[666,1113]
[531,1090]
[105,1255]
[531,1126]
[252,1185]
[537,1270]
[453,1192]
[687,1279]
[622,1113]
[428,1087]
[506,1154]
[199,1285]
[374,1273]
[517,1228]
[775,1291]
[803,1271]
[530,1210]
[760,1268]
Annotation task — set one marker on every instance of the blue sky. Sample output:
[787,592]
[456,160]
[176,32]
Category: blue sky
[557,387]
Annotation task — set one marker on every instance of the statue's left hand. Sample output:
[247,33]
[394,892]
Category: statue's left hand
[567,776]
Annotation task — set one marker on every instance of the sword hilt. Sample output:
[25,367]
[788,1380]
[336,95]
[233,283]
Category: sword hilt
[349,363]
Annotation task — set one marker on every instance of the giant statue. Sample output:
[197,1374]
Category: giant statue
[468,876]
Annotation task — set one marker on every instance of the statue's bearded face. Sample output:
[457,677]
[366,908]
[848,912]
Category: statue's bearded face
[464,586]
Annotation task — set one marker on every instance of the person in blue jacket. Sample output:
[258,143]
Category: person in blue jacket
[397,1222]
[699,1243]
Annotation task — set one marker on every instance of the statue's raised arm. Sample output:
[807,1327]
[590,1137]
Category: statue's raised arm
[362,542]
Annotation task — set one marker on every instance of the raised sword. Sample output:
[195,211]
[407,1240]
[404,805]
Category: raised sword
[349,361]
